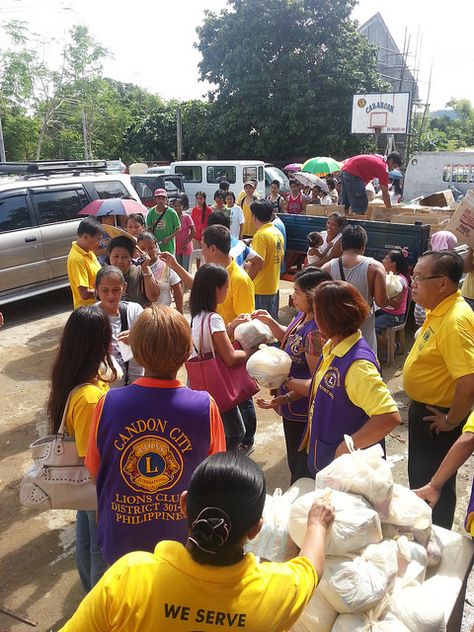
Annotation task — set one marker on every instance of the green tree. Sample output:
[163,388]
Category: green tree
[284,73]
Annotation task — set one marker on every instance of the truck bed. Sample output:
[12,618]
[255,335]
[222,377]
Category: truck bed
[382,236]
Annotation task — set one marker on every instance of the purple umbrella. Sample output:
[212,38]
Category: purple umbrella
[293,166]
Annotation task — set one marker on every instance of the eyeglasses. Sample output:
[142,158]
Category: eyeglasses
[416,278]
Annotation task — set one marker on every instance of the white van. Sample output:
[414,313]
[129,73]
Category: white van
[431,171]
[205,175]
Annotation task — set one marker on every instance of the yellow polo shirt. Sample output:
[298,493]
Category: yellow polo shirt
[82,268]
[80,413]
[442,353]
[268,243]
[469,427]
[364,385]
[240,298]
[168,590]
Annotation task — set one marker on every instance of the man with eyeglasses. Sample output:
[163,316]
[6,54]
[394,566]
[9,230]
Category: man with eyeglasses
[438,375]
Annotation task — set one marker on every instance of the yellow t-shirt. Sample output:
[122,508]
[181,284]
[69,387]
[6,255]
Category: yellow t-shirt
[240,298]
[167,590]
[82,268]
[467,288]
[364,385]
[268,243]
[442,353]
[249,228]
[469,427]
[80,413]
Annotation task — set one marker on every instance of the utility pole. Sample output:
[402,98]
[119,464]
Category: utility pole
[84,134]
[179,135]
[3,157]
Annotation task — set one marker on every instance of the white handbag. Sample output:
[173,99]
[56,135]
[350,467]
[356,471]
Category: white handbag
[58,478]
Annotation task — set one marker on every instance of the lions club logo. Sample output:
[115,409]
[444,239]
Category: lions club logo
[361,103]
[331,378]
[151,464]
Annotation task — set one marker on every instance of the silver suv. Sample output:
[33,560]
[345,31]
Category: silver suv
[39,206]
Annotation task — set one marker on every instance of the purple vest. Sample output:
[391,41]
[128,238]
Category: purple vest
[334,415]
[470,511]
[294,347]
[150,441]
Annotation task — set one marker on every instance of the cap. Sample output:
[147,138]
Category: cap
[249,182]
[160,192]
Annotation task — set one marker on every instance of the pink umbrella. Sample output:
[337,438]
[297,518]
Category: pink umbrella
[293,166]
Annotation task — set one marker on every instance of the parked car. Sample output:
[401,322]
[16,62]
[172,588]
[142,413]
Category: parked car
[39,206]
[159,170]
[430,171]
[145,184]
[205,175]
[274,173]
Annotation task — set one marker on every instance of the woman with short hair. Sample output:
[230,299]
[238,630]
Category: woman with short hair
[148,438]
[347,393]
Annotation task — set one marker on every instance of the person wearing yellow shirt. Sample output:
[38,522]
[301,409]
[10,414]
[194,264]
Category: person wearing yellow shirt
[467,289]
[268,243]
[347,393]
[438,375]
[76,372]
[245,201]
[458,454]
[210,582]
[82,264]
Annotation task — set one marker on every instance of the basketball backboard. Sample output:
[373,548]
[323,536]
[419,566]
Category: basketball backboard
[381,113]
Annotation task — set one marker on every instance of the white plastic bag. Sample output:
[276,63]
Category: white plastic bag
[273,542]
[417,608]
[394,284]
[412,560]
[355,524]
[253,333]
[362,472]
[366,623]
[359,584]
[318,616]
[269,366]
[406,509]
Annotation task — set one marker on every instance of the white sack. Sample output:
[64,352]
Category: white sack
[434,549]
[269,366]
[318,616]
[359,584]
[273,542]
[362,472]
[412,560]
[417,609]
[355,524]
[394,284]
[365,623]
[253,333]
[406,509]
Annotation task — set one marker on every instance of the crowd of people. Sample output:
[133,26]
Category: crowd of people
[178,495]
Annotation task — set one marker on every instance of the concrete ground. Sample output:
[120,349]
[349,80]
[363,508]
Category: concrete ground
[39,581]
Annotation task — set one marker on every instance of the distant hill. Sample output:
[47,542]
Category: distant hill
[450,114]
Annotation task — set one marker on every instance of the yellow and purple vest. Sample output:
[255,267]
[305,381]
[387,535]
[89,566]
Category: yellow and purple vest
[333,413]
[150,440]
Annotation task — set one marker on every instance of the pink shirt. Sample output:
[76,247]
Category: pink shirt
[183,233]
[400,311]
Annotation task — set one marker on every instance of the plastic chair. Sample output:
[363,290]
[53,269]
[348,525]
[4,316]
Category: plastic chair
[194,256]
[400,329]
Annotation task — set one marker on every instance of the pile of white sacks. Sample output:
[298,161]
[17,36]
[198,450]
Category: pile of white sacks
[377,549]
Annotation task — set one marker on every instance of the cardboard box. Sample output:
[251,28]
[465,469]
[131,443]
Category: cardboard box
[316,209]
[462,220]
[440,198]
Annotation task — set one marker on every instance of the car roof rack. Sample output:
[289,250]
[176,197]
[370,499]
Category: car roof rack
[35,168]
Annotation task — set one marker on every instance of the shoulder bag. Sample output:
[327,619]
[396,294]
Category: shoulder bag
[229,386]
[58,478]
